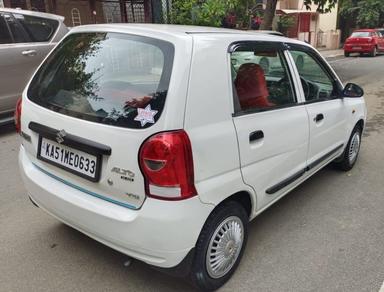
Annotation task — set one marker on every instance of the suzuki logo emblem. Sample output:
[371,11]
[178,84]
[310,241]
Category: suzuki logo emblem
[60,136]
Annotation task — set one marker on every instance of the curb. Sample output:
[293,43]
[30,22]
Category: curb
[334,57]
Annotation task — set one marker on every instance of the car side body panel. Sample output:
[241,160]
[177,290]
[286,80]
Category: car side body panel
[209,124]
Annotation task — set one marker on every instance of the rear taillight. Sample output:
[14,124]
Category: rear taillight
[18,115]
[167,165]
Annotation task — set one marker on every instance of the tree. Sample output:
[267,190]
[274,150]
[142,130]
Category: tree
[323,6]
[367,13]
[197,12]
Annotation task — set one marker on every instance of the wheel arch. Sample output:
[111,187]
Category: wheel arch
[244,198]
[360,124]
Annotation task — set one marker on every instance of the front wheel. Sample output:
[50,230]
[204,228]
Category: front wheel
[351,152]
[220,246]
[346,54]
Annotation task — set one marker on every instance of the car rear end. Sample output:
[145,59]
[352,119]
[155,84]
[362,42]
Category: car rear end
[103,146]
[362,41]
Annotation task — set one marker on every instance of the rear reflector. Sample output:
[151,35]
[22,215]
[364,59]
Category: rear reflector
[167,165]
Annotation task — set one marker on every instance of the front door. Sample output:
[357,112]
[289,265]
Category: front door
[326,111]
[271,122]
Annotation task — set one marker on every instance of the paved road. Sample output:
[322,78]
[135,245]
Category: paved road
[327,235]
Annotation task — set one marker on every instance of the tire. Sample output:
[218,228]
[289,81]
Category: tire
[374,52]
[230,216]
[348,159]
[346,54]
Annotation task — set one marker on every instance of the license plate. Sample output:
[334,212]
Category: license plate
[73,160]
[357,48]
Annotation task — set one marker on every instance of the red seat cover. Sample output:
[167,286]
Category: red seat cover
[251,87]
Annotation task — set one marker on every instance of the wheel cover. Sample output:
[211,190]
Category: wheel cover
[354,148]
[224,247]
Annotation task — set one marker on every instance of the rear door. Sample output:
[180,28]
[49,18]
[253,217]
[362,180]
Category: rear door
[20,58]
[326,111]
[271,122]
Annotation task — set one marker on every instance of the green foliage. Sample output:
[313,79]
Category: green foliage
[285,21]
[198,12]
[368,13]
[323,6]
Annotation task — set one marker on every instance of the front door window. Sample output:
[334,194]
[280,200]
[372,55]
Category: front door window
[316,82]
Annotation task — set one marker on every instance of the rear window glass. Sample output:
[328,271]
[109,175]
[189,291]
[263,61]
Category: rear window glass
[361,34]
[39,29]
[110,78]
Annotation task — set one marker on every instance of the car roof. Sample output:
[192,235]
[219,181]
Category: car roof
[33,13]
[166,28]
[179,30]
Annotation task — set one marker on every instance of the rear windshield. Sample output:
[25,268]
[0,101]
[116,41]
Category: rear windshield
[110,78]
[361,34]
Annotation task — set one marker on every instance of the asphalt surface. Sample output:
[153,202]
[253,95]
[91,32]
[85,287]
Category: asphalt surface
[327,235]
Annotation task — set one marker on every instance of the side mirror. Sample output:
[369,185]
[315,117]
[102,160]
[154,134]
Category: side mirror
[352,90]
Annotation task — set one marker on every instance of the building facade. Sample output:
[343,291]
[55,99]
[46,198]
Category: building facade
[78,12]
[320,30]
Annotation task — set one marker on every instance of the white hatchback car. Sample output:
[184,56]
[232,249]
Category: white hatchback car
[147,139]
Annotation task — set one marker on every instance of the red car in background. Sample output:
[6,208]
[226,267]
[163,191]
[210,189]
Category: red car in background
[364,41]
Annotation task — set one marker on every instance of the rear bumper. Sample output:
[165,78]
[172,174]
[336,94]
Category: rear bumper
[161,233]
[359,48]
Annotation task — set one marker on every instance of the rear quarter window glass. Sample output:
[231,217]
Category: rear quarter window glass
[39,29]
[105,78]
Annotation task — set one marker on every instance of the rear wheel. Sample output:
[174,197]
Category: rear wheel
[220,246]
[346,54]
[351,152]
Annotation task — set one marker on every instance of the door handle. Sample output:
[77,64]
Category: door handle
[256,135]
[29,53]
[318,118]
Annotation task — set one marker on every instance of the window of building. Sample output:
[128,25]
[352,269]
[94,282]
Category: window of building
[76,18]
[19,4]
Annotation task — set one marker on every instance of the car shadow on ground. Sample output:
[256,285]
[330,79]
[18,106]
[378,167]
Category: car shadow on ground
[131,271]
[7,129]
